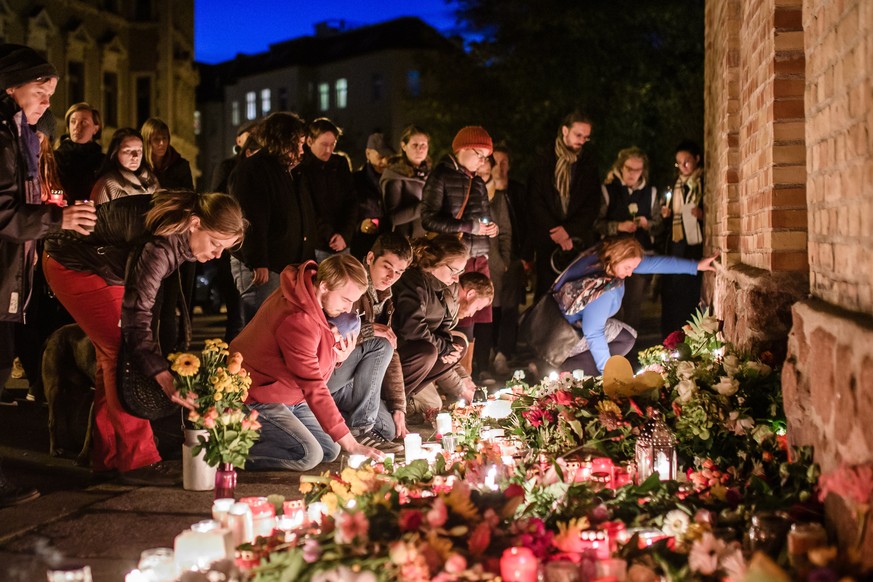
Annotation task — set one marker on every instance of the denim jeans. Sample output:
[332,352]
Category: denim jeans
[291,438]
[356,385]
[251,297]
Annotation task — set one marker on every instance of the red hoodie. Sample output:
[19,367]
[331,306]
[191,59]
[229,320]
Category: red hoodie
[288,349]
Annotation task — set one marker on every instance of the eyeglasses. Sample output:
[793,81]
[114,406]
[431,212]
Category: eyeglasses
[479,155]
[454,271]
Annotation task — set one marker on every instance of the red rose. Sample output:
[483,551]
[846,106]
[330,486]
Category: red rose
[673,340]
[410,520]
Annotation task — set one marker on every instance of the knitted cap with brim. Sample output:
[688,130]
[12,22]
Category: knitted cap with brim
[21,64]
[472,137]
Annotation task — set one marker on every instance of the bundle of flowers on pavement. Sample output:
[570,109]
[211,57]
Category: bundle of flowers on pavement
[562,482]
[216,384]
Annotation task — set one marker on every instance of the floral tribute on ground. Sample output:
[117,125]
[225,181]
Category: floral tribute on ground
[552,485]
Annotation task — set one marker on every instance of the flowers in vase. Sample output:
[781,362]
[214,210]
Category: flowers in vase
[217,385]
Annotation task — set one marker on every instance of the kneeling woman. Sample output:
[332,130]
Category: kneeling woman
[590,291]
[114,274]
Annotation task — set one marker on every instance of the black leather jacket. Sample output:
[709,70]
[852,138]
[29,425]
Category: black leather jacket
[123,252]
[443,198]
[422,310]
[23,218]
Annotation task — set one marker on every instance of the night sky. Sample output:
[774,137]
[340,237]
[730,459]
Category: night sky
[223,28]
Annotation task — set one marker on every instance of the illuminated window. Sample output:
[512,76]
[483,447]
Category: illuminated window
[265,101]
[342,93]
[323,96]
[197,122]
[251,105]
[234,113]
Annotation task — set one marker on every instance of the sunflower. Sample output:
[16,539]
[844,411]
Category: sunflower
[186,365]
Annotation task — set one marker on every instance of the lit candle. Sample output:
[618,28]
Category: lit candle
[444,423]
[491,478]
[553,376]
[295,513]
[220,507]
[316,511]
[355,461]
[662,466]
[518,565]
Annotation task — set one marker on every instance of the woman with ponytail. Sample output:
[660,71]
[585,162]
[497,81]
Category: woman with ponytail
[114,275]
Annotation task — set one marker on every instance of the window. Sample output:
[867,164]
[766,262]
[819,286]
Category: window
[265,101]
[283,98]
[143,99]
[323,96]
[378,87]
[251,105]
[341,87]
[110,99]
[75,82]
[197,122]
[413,83]
[234,113]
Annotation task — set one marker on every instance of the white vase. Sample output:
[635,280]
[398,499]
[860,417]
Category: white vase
[197,475]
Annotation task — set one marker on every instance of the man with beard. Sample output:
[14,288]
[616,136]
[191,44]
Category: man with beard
[564,198]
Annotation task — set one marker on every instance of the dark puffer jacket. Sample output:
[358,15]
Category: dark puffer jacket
[122,252]
[22,218]
[423,310]
[445,191]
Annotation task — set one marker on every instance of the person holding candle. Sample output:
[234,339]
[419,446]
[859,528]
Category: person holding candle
[27,82]
[630,205]
[115,274]
[291,350]
[590,292]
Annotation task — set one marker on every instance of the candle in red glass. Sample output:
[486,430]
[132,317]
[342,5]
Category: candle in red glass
[518,565]
[602,470]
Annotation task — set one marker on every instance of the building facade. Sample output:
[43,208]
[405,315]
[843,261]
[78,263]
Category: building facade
[131,59]
[789,141]
[362,79]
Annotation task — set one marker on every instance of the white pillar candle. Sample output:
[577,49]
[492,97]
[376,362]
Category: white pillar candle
[444,423]
[412,445]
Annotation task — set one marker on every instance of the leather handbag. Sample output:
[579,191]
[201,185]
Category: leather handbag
[547,332]
[139,394]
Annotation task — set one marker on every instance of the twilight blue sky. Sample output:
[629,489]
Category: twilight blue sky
[223,28]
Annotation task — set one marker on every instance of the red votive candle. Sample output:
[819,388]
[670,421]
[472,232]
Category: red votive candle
[518,565]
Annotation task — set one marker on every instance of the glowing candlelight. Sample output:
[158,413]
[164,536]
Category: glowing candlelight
[518,565]
[444,423]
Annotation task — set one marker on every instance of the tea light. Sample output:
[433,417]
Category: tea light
[518,565]
[294,512]
[263,515]
[412,445]
[444,423]
[316,511]
[201,545]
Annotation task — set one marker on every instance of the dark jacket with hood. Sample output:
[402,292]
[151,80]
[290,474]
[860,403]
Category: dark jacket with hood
[277,202]
[174,172]
[122,252]
[287,349]
[23,218]
[78,164]
[422,310]
[450,192]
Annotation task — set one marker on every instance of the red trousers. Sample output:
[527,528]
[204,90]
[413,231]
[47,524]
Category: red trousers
[121,441]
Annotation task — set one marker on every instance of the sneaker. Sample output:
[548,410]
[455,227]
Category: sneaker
[11,494]
[158,474]
[378,442]
[500,366]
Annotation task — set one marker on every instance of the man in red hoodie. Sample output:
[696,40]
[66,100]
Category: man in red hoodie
[290,350]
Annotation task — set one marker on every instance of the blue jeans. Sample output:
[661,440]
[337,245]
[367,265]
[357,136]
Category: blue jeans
[291,438]
[356,387]
[251,297]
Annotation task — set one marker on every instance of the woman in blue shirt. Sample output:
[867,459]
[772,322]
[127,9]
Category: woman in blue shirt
[590,291]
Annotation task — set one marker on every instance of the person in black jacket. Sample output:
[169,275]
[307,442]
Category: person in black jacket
[79,154]
[563,198]
[366,182]
[276,200]
[115,274]
[333,191]
[27,82]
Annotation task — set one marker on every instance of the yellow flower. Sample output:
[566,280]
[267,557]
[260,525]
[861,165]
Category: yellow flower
[217,396]
[340,490]
[331,501]
[305,487]
[172,357]
[186,365]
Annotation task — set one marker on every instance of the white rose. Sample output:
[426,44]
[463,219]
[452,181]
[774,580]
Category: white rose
[731,364]
[758,368]
[728,386]
[633,208]
[685,370]
[686,389]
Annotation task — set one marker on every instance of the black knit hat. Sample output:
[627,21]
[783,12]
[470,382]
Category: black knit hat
[21,64]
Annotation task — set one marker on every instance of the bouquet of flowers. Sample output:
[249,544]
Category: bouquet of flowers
[217,385]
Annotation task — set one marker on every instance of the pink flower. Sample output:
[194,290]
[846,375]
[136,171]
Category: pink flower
[703,556]
[853,482]
[311,551]
[410,520]
[563,398]
[456,563]
[209,422]
[351,526]
[438,514]
[479,539]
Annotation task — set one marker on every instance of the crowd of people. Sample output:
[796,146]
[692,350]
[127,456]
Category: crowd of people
[357,298]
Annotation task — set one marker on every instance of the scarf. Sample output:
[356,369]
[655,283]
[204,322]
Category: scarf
[566,158]
[686,191]
[574,296]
